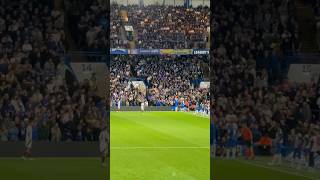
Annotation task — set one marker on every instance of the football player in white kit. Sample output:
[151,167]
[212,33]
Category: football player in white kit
[119,104]
[142,106]
[28,140]
[104,139]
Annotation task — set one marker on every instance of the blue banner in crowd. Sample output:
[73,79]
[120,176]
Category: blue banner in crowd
[119,51]
[145,51]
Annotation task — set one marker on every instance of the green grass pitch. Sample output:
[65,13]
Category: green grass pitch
[159,146]
[223,169]
[52,169]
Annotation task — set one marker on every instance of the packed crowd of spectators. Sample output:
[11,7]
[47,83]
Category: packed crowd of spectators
[89,22]
[251,41]
[166,27]
[116,27]
[165,78]
[316,6]
[33,82]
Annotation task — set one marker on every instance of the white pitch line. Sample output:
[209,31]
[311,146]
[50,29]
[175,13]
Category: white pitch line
[279,170]
[158,147]
[198,115]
